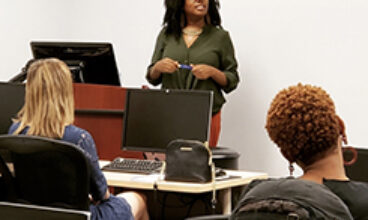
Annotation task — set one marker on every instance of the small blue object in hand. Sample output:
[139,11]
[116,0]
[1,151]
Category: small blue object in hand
[183,66]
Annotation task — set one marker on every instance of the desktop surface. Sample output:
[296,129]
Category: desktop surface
[143,181]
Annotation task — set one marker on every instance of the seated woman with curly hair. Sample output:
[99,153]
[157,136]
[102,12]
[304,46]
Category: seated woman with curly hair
[303,123]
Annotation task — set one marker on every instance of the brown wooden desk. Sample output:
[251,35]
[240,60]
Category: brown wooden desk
[100,110]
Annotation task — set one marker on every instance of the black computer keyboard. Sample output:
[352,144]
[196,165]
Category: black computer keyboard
[134,166]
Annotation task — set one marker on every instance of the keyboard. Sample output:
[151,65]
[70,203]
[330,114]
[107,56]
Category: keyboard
[134,166]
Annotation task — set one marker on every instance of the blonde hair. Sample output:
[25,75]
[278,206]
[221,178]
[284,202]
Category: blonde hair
[49,101]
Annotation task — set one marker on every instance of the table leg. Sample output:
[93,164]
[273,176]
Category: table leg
[225,197]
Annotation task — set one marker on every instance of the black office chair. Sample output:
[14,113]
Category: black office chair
[16,211]
[253,216]
[281,199]
[44,172]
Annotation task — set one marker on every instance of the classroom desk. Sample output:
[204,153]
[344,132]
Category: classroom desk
[150,182]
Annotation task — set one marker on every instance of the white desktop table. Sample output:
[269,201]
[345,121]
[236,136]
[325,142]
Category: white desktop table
[156,181]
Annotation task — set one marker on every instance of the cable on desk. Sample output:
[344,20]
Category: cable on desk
[155,199]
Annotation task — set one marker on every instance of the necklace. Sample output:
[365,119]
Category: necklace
[192,32]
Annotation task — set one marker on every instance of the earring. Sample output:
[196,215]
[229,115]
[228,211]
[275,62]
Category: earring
[291,169]
[344,139]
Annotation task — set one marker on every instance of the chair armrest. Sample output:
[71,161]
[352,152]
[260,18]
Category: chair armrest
[210,217]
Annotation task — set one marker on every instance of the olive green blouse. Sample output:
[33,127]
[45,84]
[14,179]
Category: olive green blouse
[212,47]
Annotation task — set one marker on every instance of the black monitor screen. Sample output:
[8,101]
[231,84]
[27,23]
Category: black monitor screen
[153,118]
[12,100]
[88,62]
[357,171]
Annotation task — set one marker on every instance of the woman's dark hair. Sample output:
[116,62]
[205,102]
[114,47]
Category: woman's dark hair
[175,13]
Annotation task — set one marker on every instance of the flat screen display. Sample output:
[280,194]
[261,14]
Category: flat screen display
[153,118]
[89,62]
[12,100]
[357,171]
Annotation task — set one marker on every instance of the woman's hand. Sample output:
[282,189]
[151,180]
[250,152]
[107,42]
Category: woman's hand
[166,65]
[106,197]
[203,72]
[107,194]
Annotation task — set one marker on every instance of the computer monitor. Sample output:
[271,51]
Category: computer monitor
[357,171]
[153,118]
[12,100]
[88,62]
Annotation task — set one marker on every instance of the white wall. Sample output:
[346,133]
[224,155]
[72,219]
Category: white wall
[278,43]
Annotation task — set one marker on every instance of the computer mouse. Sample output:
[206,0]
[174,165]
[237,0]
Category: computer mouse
[220,172]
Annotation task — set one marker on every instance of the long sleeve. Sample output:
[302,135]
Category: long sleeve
[157,55]
[229,64]
[98,184]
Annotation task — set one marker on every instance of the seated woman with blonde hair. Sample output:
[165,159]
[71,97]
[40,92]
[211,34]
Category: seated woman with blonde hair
[49,112]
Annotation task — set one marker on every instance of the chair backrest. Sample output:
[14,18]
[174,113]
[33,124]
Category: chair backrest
[273,210]
[44,171]
[16,211]
[289,198]
[357,170]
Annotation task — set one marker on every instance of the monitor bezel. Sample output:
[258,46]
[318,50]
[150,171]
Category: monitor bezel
[15,98]
[164,91]
[68,45]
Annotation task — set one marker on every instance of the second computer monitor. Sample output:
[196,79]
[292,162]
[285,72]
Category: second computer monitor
[155,117]
[12,100]
[88,62]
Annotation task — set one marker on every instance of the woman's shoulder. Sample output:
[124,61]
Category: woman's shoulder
[13,127]
[302,192]
[347,187]
[74,134]
[74,129]
[353,193]
[216,30]
[291,184]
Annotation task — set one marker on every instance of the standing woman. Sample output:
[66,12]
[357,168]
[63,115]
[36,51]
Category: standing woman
[193,52]
[48,111]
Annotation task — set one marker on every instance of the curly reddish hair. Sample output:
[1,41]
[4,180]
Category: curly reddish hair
[303,123]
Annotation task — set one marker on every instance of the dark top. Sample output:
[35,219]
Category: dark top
[114,207]
[212,47]
[354,194]
[320,202]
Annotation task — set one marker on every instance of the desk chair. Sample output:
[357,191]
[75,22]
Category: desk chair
[16,211]
[43,171]
[251,216]
[357,169]
[277,199]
